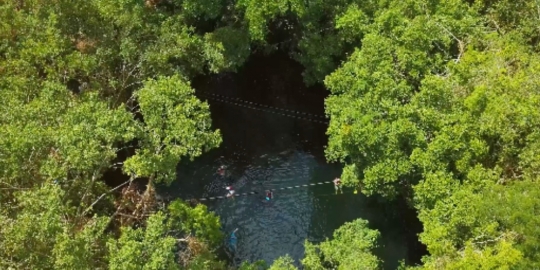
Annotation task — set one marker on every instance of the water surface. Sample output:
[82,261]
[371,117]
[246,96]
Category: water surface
[266,151]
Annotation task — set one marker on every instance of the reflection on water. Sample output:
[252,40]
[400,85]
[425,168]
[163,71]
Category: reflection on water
[267,151]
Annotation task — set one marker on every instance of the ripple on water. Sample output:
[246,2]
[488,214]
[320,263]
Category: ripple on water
[268,230]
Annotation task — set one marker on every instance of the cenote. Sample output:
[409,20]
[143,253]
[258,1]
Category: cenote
[264,150]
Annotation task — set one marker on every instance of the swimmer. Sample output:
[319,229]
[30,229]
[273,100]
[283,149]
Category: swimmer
[233,240]
[221,170]
[269,195]
[337,185]
[231,191]
[193,202]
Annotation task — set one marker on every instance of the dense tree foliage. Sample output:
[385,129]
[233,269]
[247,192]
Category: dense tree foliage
[350,248]
[440,104]
[82,82]
[432,100]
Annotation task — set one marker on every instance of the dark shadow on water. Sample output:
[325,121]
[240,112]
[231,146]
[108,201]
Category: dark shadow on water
[266,151]
[273,81]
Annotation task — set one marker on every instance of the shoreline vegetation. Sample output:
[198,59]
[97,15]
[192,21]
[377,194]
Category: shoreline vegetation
[434,102]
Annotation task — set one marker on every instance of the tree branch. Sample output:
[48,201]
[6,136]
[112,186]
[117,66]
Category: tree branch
[488,240]
[182,240]
[12,187]
[130,216]
[461,44]
[108,192]
[86,191]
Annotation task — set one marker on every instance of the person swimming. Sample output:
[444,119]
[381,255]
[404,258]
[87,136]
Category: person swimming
[337,185]
[269,195]
[231,191]
[233,240]
[221,170]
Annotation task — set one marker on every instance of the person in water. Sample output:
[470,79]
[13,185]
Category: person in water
[269,195]
[337,185]
[221,170]
[231,191]
[233,240]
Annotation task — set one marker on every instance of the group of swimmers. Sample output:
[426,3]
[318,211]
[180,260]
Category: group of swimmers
[269,195]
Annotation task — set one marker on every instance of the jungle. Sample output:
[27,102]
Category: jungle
[430,107]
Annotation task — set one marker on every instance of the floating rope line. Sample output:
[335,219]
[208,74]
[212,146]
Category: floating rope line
[265,110]
[255,192]
[263,105]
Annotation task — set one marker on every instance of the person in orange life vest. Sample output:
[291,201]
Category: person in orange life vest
[337,185]
[231,191]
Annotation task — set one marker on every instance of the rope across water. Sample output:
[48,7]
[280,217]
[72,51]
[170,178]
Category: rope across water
[255,192]
[265,108]
[269,109]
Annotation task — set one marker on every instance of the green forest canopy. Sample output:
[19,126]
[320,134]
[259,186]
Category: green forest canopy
[434,101]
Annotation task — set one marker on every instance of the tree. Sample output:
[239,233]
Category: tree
[493,228]
[371,125]
[109,53]
[196,221]
[350,249]
[258,265]
[62,136]
[180,236]
[283,263]
[226,48]
[67,110]
[176,124]
[446,118]
[436,101]
[478,170]
[47,233]
[148,248]
[320,33]
[42,234]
